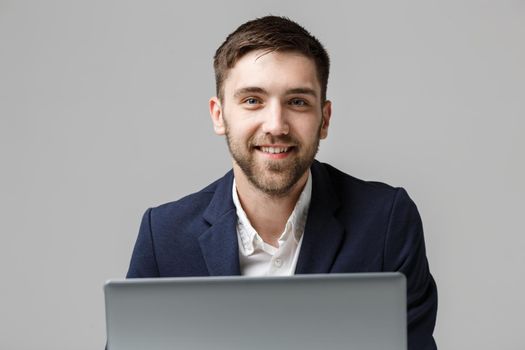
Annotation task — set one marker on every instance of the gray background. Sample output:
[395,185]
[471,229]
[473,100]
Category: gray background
[103,109]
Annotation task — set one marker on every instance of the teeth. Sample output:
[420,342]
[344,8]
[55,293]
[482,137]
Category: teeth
[274,149]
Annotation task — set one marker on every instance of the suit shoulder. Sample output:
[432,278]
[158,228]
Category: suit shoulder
[368,198]
[190,204]
[345,182]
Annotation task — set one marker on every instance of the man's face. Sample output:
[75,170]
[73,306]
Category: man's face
[272,117]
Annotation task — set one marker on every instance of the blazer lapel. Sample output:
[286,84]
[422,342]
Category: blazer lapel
[323,233]
[321,241]
[219,243]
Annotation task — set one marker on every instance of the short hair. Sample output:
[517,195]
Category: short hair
[270,33]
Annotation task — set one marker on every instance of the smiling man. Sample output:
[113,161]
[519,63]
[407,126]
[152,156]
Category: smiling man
[273,117]
[279,211]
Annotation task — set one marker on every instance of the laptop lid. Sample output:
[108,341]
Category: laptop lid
[362,311]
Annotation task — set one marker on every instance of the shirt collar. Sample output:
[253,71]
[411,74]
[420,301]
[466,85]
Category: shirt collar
[295,223]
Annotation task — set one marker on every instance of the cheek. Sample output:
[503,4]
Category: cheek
[307,131]
[240,131]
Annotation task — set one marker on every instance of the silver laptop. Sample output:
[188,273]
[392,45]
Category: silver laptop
[363,311]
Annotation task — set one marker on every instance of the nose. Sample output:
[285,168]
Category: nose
[275,122]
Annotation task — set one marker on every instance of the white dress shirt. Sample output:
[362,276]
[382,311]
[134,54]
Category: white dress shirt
[258,258]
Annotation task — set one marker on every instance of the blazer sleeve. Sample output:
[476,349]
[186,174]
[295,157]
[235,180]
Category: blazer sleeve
[143,260]
[405,252]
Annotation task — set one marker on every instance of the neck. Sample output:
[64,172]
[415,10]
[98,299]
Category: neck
[267,214]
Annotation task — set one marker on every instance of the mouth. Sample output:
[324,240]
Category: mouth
[276,151]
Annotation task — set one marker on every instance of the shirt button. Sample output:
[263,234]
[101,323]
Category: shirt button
[278,262]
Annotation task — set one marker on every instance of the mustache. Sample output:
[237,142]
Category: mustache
[271,139]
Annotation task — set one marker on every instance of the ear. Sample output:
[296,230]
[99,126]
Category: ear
[216,116]
[327,113]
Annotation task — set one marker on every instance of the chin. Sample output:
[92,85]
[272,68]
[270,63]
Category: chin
[273,184]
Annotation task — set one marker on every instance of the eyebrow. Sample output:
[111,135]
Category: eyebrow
[255,89]
[249,90]
[303,91]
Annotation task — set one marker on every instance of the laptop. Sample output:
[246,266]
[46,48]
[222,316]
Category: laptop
[361,311]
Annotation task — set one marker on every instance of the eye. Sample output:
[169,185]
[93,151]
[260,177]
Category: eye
[299,102]
[252,101]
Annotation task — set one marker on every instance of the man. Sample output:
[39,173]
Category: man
[279,211]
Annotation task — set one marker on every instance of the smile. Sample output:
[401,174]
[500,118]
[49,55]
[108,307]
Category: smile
[275,152]
[274,149]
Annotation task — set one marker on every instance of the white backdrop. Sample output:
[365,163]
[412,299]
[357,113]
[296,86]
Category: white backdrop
[103,113]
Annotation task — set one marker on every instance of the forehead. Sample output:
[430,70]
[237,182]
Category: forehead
[273,71]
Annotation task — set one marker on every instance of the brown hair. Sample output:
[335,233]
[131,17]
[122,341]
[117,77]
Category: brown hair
[270,33]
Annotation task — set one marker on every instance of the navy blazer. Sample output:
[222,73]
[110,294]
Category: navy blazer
[352,226]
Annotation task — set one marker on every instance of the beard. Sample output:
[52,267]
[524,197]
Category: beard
[271,176]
